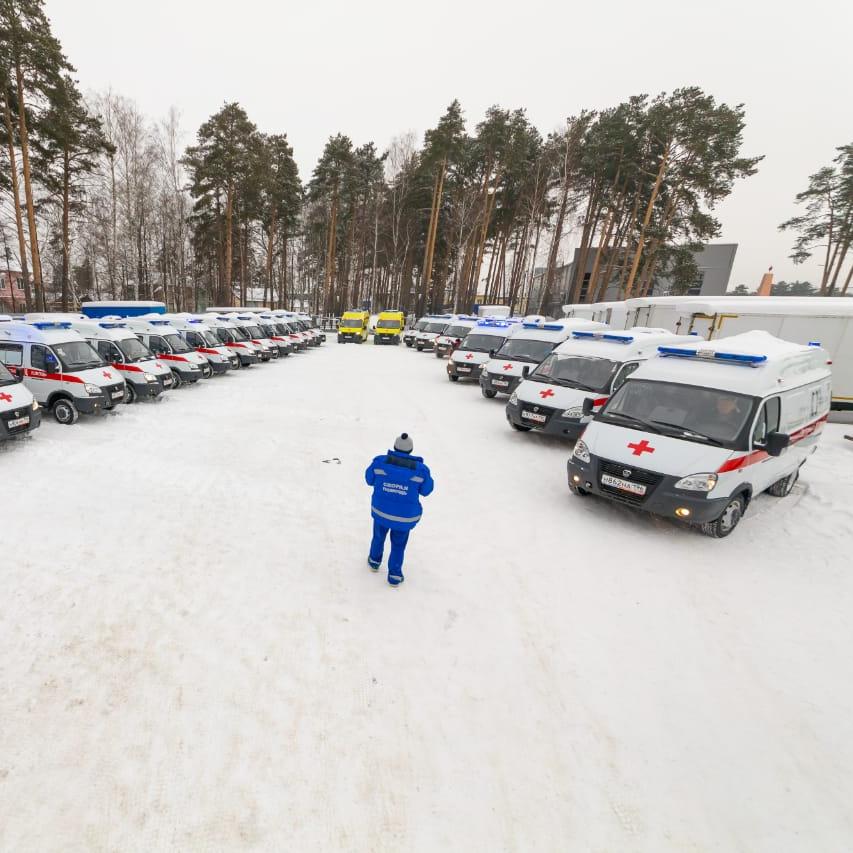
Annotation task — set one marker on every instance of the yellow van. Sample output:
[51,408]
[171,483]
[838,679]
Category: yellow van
[353,327]
[389,327]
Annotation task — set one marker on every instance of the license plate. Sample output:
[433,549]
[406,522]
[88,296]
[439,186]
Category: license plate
[464,369]
[116,394]
[535,417]
[623,485]
[17,422]
[501,383]
[167,381]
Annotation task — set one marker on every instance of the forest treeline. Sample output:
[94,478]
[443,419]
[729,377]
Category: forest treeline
[100,201]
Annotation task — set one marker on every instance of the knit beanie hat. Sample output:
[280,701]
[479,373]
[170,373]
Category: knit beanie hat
[404,444]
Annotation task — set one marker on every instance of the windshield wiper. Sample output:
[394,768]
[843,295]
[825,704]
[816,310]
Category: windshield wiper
[690,433]
[643,424]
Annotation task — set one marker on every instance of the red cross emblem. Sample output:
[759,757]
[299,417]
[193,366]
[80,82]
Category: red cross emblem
[507,367]
[106,374]
[6,397]
[158,364]
[469,356]
[641,447]
[546,393]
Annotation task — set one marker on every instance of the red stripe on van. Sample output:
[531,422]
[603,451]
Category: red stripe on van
[56,377]
[130,368]
[760,455]
[208,351]
[172,358]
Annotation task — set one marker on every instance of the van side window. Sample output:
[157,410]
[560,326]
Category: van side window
[768,421]
[12,354]
[157,345]
[37,357]
[623,374]
[109,352]
[194,339]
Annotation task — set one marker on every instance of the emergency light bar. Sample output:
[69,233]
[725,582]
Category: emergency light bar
[604,336]
[44,324]
[496,324]
[195,321]
[709,354]
[113,325]
[159,322]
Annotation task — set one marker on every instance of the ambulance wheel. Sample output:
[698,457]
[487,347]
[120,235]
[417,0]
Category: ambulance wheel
[419,349]
[520,427]
[452,378]
[782,488]
[176,379]
[130,395]
[409,344]
[238,365]
[488,393]
[65,412]
[438,355]
[728,520]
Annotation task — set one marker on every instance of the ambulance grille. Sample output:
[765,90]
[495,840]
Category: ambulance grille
[650,479]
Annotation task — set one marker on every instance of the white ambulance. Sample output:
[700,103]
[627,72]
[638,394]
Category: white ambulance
[117,345]
[593,361]
[410,334]
[298,339]
[60,369]
[234,338]
[248,324]
[162,338]
[486,337]
[19,411]
[313,328]
[272,329]
[524,350]
[456,331]
[698,430]
[202,339]
[435,326]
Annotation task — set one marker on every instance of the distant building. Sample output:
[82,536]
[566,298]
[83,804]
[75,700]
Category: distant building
[12,291]
[714,262]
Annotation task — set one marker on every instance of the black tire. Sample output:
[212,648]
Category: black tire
[782,488]
[409,344]
[520,428]
[728,519]
[439,355]
[176,380]
[487,393]
[65,412]
[130,393]
[419,349]
[578,490]
[452,378]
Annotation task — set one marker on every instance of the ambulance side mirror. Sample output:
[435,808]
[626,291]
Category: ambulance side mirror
[525,371]
[776,443]
[588,406]
[492,353]
[50,359]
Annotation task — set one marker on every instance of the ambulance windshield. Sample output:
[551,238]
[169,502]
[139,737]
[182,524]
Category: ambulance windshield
[477,342]
[706,415]
[435,328]
[586,374]
[134,350]
[388,324]
[254,332]
[77,355]
[457,331]
[239,334]
[518,349]
[210,339]
[177,343]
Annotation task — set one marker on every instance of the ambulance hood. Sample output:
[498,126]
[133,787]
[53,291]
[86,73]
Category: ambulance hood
[556,396]
[662,453]
[148,365]
[14,396]
[507,366]
[191,357]
[470,357]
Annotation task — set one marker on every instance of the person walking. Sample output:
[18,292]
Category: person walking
[399,480]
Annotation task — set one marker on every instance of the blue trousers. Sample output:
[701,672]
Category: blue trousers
[399,538]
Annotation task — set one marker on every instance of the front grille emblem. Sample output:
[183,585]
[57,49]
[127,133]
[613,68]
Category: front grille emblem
[626,472]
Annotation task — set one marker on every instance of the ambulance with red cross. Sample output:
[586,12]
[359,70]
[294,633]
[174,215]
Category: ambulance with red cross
[162,338]
[60,369]
[525,350]
[234,338]
[594,360]
[19,411]
[200,337]
[697,431]
[487,337]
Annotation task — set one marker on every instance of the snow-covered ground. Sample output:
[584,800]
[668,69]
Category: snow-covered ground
[195,657]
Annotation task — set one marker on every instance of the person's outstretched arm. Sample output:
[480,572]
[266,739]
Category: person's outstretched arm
[369,476]
[428,484]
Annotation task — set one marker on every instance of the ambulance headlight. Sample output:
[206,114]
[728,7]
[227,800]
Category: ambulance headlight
[575,413]
[35,405]
[697,483]
[91,389]
[150,377]
[513,398]
[581,451]
[193,367]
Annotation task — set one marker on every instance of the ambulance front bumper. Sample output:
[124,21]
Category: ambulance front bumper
[247,358]
[425,343]
[32,416]
[188,375]
[91,405]
[530,415]
[443,349]
[220,367]
[464,371]
[343,337]
[660,498]
[500,384]
[385,339]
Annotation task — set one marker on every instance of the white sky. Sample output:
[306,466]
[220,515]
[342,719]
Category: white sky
[375,68]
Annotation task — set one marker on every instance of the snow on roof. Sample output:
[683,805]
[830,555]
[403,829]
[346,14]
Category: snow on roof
[622,345]
[123,303]
[808,306]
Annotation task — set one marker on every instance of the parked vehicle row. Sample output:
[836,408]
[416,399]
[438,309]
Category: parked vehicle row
[73,364]
[668,423]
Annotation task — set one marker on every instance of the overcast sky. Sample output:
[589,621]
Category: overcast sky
[375,68]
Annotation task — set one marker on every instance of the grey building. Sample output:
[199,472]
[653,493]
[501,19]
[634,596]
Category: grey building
[714,262]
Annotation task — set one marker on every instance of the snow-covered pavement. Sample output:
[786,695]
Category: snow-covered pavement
[195,657]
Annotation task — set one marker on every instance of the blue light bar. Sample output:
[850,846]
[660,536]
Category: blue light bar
[553,327]
[44,324]
[195,321]
[531,326]
[814,343]
[496,324]
[707,354]
[159,322]
[113,325]
[604,336]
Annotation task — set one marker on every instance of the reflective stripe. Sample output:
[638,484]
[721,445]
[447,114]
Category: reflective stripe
[388,517]
[417,479]
[380,471]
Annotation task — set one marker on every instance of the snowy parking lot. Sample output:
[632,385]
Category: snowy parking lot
[195,657]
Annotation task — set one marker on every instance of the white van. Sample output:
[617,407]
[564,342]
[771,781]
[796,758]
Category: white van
[486,337]
[162,338]
[60,369]
[457,330]
[19,411]
[279,337]
[526,348]
[200,336]
[299,340]
[234,338]
[118,346]
[697,431]
[410,334]
[306,324]
[435,326]
[248,323]
[551,397]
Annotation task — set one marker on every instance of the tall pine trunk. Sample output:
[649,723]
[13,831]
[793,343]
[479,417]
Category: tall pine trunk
[16,202]
[66,180]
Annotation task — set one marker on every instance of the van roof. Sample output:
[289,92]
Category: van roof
[556,330]
[754,363]
[40,332]
[806,306]
[620,345]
